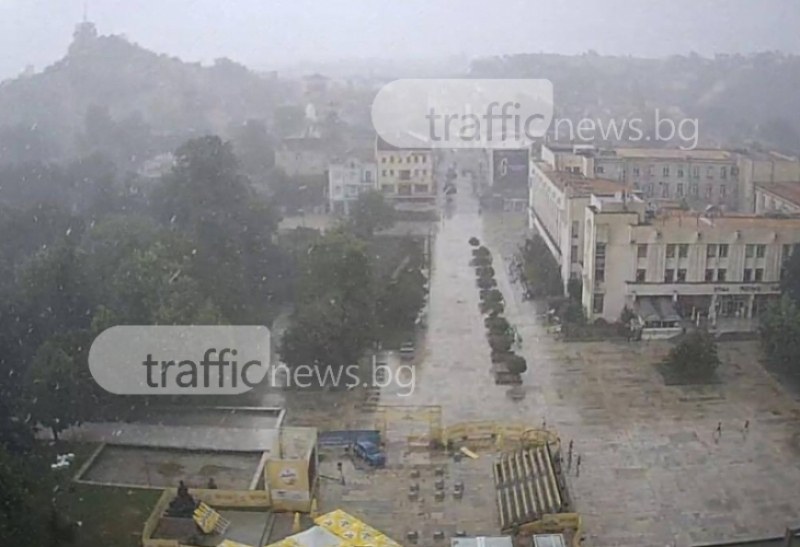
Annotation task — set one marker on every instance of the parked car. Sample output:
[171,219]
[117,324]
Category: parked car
[407,350]
[369,452]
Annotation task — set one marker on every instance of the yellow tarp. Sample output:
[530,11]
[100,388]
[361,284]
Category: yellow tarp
[229,543]
[313,537]
[350,528]
[206,518]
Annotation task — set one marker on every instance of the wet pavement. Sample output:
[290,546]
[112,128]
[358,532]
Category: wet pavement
[653,472]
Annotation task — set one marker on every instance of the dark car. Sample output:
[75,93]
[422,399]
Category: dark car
[369,452]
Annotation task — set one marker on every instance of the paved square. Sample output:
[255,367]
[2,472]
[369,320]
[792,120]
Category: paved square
[652,472]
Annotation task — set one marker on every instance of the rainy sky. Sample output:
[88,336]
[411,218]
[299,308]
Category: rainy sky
[276,33]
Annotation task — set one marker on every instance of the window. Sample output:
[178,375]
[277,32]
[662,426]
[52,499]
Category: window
[367,176]
[664,189]
[640,275]
[694,189]
[599,274]
[383,159]
[680,172]
[682,275]
[723,250]
[709,191]
[734,171]
[749,251]
[600,169]
[723,172]
[597,303]
[575,229]
[761,250]
[665,171]
[670,251]
[421,189]
[669,275]
[679,190]
[787,252]
[573,254]
[711,250]
[651,170]
[759,274]
[391,172]
[748,275]
[391,159]
[649,190]
[405,174]
[641,250]
[722,274]
[424,172]
[722,190]
[383,172]
[636,172]
[696,172]
[709,275]
[709,172]
[600,250]
[683,250]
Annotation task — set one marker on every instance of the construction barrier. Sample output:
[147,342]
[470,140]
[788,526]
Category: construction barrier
[496,434]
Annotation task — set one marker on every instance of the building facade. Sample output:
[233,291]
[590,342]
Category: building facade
[777,197]
[678,266]
[556,203]
[347,180]
[697,178]
[405,175]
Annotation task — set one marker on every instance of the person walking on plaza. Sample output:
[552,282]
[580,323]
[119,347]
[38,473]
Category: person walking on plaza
[578,466]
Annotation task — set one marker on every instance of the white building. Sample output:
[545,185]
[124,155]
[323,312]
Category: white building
[698,178]
[680,265]
[556,203]
[777,197]
[347,180]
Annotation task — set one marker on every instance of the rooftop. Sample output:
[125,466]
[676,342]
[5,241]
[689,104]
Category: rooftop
[728,221]
[672,154]
[384,146]
[790,191]
[579,184]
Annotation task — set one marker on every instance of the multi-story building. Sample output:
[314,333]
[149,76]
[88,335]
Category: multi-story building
[556,203]
[763,167]
[405,175]
[680,265]
[697,178]
[777,197]
[347,180]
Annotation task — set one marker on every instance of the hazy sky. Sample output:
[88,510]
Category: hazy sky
[272,33]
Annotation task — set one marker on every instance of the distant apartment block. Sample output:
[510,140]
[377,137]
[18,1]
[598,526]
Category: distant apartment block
[347,180]
[405,175]
[699,178]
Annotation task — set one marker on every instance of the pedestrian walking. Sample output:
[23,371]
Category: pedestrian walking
[578,466]
[569,459]
[719,429]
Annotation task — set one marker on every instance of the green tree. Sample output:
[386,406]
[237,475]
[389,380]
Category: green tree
[334,319]
[59,382]
[790,278]
[370,213]
[780,331]
[213,205]
[694,357]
